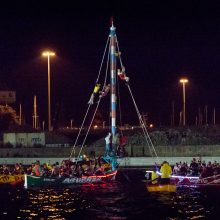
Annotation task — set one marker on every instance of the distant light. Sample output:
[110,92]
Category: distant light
[48,53]
[184,80]
[151,125]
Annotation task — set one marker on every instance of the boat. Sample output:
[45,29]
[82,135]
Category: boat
[12,180]
[162,187]
[156,184]
[187,181]
[98,94]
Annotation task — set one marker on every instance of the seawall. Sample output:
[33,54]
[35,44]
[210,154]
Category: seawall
[123,162]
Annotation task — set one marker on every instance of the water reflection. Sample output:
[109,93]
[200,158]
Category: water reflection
[125,199]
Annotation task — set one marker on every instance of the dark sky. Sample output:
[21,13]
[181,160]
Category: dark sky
[160,42]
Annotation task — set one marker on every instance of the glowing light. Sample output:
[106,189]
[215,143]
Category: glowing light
[180,177]
[48,53]
[184,80]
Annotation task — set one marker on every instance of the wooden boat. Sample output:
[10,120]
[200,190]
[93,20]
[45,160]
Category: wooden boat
[11,180]
[193,181]
[110,157]
[159,187]
[39,181]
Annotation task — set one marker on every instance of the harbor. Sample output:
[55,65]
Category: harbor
[129,162]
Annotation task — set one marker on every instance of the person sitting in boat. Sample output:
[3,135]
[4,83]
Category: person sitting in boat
[45,170]
[5,170]
[194,167]
[154,177]
[176,169]
[183,169]
[17,169]
[55,170]
[166,171]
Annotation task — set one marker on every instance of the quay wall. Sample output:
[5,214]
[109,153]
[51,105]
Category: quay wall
[132,151]
[123,162]
[136,155]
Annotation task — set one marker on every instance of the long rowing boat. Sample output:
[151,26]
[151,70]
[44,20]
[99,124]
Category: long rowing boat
[39,181]
[11,179]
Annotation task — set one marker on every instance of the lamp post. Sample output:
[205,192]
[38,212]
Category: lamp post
[184,81]
[48,54]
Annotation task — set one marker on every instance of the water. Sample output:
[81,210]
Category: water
[127,198]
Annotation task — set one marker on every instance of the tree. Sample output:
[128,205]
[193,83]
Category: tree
[7,117]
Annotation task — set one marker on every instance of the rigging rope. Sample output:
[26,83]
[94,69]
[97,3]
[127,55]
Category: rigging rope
[146,134]
[89,127]
[103,57]
[142,122]
[81,127]
[106,73]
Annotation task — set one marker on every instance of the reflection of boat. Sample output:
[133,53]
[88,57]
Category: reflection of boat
[11,179]
[98,94]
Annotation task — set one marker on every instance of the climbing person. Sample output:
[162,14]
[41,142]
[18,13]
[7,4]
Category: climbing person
[105,91]
[108,144]
[95,91]
[122,75]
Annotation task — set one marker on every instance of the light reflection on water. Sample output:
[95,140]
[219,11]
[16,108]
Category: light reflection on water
[125,199]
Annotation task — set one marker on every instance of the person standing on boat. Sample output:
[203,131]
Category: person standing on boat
[115,143]
[108,144]
[166,171]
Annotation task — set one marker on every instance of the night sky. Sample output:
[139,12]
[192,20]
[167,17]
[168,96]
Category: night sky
[160,42]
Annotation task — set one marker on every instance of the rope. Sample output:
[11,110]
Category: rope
[103,57]
[74,146]
[119,105]
[147,137]
[143,125]
[106,73]
[89,127]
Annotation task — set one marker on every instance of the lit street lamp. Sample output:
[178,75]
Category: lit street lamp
[48,54]
[184,81]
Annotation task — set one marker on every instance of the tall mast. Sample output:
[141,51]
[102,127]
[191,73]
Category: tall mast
[113,78]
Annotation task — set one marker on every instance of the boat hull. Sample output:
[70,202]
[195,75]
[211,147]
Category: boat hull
[194,181]
[39,181]
[171,187]
[11,179]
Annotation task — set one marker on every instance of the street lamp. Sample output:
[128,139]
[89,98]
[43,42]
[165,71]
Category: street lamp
[48,54]
[184,81]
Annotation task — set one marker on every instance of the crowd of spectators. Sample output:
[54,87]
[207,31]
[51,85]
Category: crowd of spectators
[197,168]
[67,168]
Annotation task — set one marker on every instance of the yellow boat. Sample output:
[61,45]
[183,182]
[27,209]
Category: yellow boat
[169,187]
[11,179]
